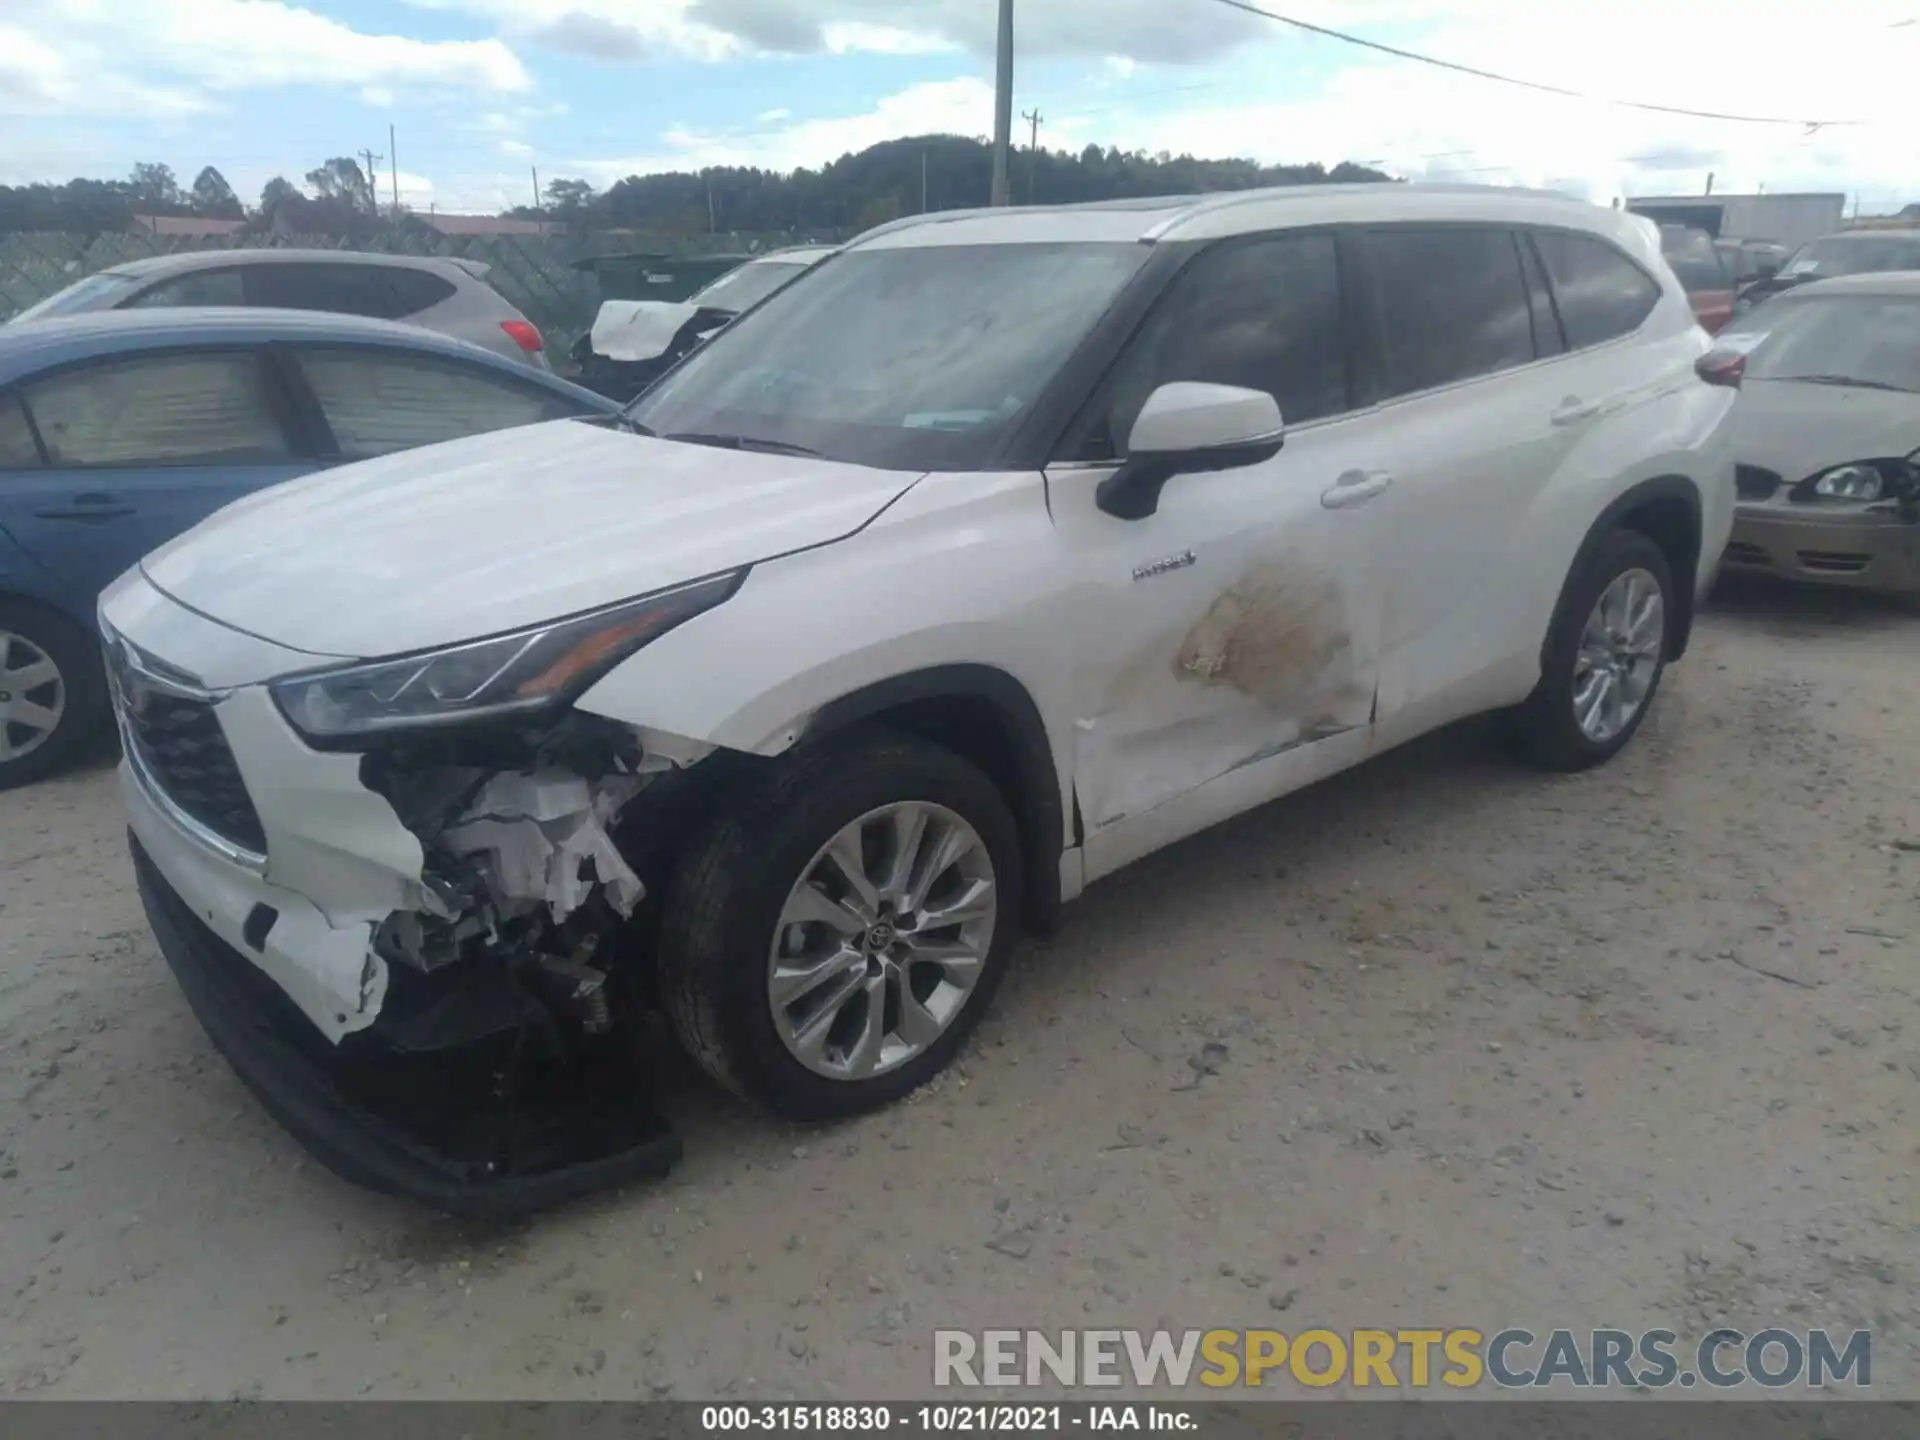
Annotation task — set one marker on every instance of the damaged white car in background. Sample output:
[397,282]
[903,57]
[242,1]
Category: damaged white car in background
[970,567]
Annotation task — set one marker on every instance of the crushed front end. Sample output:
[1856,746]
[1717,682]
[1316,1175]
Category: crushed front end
[427,956]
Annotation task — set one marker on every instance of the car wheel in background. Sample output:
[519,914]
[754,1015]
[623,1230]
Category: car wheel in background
[841,924]
[52,693]
[1604,657]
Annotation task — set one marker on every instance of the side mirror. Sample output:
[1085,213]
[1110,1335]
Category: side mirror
[1187,427]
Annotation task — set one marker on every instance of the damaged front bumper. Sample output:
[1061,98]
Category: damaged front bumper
[424,971]
[358,1122]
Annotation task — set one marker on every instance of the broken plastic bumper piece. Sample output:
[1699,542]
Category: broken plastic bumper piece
[380,1118]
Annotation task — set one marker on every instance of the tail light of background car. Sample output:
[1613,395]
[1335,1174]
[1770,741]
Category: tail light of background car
[524,334]
[1721,367]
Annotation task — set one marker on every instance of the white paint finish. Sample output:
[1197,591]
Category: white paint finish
[1186,416]
[1221,798]
[329,971]
[223,657]
[1267,640]
[328,836]
[965,568]
[482,535]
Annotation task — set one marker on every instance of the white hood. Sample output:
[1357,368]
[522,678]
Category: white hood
[631,330]
[431,547]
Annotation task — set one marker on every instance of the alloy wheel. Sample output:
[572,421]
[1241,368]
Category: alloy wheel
[33,697]
[882,940]
[1620,653]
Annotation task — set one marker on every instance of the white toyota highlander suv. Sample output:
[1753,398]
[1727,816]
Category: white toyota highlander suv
[999,551]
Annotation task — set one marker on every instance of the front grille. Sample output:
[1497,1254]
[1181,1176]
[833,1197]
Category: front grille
[179,745]
[1753,483]
[1835,562]
[1739,552]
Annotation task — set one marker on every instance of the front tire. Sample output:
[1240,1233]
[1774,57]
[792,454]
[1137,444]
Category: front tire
[52,693]
[1604,657]
[840,926]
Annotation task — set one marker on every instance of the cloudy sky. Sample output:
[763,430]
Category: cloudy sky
[482,91]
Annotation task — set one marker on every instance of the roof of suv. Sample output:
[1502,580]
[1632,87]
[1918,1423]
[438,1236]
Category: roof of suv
[190,260]
[1233,212]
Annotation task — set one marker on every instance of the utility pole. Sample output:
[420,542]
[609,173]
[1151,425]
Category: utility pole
[923,182]
[713,221]
[1003,105]
[1709,182]
[371,178]
[393,159]
[1033,118]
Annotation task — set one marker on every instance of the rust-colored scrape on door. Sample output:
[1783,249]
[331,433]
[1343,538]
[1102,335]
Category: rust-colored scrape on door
[1280,635]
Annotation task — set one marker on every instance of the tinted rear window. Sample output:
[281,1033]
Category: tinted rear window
[1453,303]
[377,291]
[1600,293]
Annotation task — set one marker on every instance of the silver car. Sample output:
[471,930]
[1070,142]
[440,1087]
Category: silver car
[447,295]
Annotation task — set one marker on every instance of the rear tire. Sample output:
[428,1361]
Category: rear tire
[819,997]
[53,694]
[1603,663]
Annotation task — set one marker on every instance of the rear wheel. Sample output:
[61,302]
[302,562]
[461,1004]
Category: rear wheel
[1604,658]
[841,926]
[52,694]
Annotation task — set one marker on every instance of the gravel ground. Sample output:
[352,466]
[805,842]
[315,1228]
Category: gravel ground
[1439,1042]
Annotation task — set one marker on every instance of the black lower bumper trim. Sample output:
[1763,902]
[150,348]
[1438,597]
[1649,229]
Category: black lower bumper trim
[271,1047]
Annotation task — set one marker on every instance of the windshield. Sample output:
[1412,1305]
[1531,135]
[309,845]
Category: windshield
[746,287]
[1871,340]
[1859,255]
[96,292]
[918,358]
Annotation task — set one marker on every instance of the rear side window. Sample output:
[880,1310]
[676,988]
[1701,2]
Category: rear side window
[338,289]
[416,290]
[376,403]
[1453,304]
[1263,315]
[202,287]
[1600,293]
[159,410]
[17,450]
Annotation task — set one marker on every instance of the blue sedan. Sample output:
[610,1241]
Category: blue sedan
[118,431]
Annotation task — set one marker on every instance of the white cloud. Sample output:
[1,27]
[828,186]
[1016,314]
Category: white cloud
[963,106]
[515,148]
[160,58]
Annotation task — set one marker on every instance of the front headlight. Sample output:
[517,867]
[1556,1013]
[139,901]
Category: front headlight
[1849,482]
[529,670]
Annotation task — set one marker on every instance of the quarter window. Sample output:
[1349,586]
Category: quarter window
[159,410]
[1453,304]
[378,403]
[1263,314]
[1600,293]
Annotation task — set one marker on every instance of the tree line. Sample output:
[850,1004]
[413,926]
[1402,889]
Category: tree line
[882,182]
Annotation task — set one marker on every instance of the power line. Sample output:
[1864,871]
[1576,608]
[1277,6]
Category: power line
[1545,89]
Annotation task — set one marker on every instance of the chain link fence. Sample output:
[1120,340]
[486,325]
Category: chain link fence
[537,273]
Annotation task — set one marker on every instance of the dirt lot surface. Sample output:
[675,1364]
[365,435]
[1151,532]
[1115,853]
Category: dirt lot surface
[1440,1042]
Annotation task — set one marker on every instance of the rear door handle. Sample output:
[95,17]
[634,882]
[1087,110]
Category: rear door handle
[1573,410]
[1356,487]
[91,507]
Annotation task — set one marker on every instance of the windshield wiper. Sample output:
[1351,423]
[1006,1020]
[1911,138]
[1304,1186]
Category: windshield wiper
[620,420]
[741,442]
[1853,380]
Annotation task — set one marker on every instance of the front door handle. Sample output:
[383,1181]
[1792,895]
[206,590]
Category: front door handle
[1573,410]
[1356,487]
[91,507]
